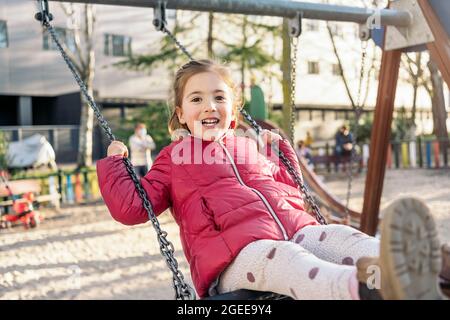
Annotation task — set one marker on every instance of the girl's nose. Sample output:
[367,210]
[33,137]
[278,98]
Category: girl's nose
[210,106]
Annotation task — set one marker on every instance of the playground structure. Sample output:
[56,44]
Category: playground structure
[402,20]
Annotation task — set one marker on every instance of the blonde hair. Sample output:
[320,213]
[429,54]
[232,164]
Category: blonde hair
[182,76]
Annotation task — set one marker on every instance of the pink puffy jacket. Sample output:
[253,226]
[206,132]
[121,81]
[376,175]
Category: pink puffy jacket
[222,194]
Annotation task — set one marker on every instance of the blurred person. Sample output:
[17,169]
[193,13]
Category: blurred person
[304,152]
[141,145]
[344,145]
[308,140]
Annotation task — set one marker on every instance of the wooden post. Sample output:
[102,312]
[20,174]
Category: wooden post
[440,48]
[405,158]
[327,154]
[445,156]
[389,157]
[428,150]
[379,140]
[419,146]
[397,154]
[437,162]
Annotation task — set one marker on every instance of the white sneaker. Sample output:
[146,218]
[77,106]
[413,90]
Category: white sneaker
[410,257]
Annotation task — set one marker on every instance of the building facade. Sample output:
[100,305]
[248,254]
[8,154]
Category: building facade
[38,92]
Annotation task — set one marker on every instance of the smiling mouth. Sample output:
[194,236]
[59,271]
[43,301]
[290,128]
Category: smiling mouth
[210,123]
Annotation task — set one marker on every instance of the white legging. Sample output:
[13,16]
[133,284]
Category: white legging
[317,263]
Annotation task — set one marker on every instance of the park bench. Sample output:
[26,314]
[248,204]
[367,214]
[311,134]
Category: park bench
[19,187]
[330,161]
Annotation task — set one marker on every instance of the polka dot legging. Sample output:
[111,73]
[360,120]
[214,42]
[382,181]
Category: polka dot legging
[317,263]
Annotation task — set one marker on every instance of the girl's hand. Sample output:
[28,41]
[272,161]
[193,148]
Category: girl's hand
[117,148]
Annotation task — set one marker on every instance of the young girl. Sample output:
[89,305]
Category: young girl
[241,216]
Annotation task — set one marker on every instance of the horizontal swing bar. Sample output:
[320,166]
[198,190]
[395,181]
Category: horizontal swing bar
[276,8]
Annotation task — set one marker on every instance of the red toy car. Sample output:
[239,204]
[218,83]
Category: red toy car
[23,213]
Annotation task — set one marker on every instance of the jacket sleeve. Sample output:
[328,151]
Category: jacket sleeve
[279,170]
[120,194]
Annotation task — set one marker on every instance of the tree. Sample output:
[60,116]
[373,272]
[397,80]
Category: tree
[438,105]
[364,74]
[426,74]
[166,54]
[210,39]
[248,50]
[417,77]
[286,82]
[83,58]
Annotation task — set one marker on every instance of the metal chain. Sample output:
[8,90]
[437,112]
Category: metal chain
[358,112]
[179,45]
[293,86]
[182,290]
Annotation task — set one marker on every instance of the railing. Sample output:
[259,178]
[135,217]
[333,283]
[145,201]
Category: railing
[73,186]
[419,153]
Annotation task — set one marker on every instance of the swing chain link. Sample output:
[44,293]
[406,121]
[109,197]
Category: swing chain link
[179,45]
[160,24]
[292,171]
[293,86]
[44,14]
[182,290]
[358,112]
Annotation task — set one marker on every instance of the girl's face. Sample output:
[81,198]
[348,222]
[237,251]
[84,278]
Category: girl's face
[207,106]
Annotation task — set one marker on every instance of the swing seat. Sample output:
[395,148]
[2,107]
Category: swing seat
[244,294]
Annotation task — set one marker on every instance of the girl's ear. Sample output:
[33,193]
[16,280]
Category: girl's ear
[179,112]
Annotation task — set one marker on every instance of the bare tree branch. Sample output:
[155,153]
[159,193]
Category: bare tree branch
[341,70]
[70,13]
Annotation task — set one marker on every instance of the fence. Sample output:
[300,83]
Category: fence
[419,153]
[75,186]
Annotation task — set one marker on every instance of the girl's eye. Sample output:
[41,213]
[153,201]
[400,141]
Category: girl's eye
[196,99]
[220,98]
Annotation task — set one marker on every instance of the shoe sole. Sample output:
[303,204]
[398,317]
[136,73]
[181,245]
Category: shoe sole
[410,257]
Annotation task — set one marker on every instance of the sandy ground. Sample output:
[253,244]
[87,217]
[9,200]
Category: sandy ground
[81,253]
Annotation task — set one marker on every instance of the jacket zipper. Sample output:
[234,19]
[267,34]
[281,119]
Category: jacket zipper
[260,195]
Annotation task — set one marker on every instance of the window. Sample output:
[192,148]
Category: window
[336,30]
[336,70]
[65,36]
[171,14]
[3,35]
[116,45]
[312,25]
[313,67]
[357,31]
